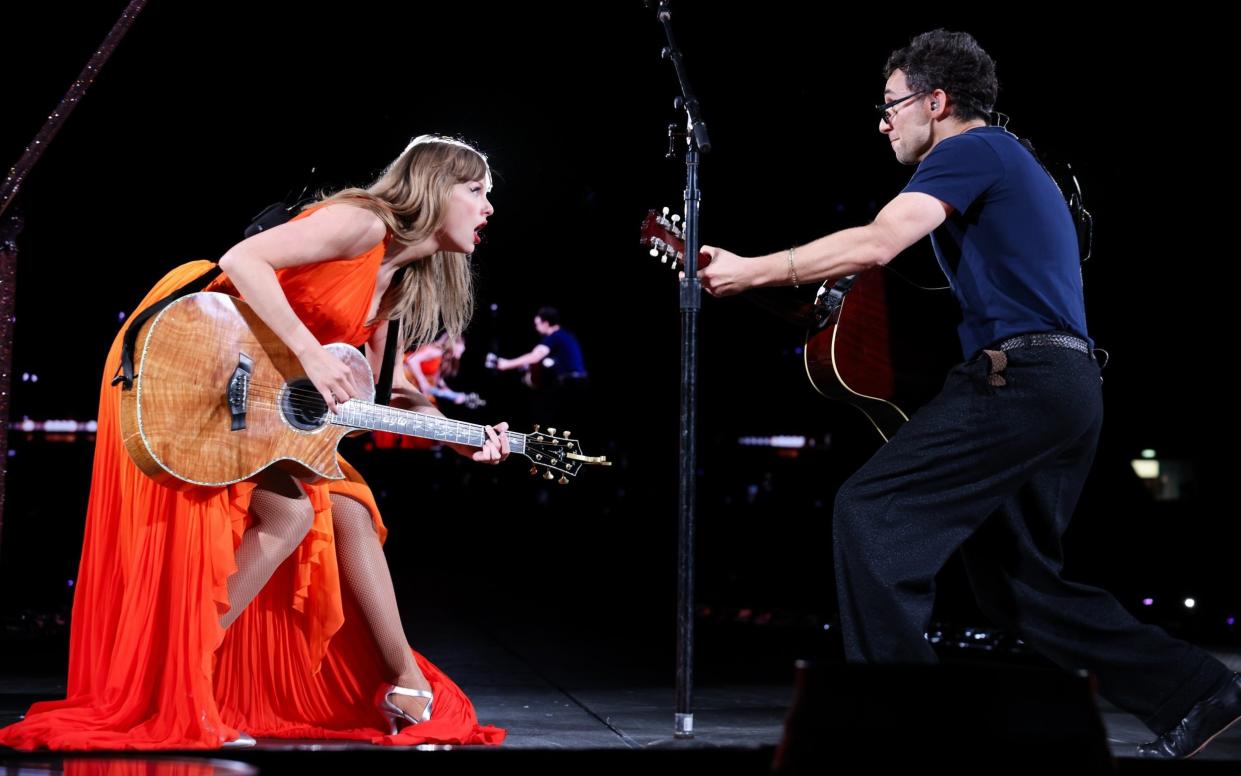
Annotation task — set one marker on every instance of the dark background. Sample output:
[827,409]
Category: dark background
[208,112]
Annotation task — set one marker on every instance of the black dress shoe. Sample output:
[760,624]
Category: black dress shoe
[1207,719]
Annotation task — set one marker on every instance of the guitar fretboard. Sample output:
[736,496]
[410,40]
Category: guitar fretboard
[376,417]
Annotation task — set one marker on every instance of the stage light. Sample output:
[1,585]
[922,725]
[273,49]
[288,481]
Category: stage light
[785,440]
[1146,469]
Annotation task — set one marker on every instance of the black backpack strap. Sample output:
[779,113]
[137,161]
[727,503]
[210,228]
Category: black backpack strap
[276,214]
[125,372]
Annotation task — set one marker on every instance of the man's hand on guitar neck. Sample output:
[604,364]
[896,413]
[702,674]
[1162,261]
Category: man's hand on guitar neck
[724,273]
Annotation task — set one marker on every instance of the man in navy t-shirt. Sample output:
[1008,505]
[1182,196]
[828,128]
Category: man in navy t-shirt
[557,352]
[994,465]
[561,370]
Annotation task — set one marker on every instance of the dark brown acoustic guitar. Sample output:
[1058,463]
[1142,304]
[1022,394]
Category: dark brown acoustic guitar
[857,350]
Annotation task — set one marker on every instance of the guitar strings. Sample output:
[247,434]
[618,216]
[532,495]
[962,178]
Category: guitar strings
[456,431]
[306,399]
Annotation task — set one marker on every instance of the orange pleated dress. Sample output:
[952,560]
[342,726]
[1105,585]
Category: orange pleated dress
[150,666]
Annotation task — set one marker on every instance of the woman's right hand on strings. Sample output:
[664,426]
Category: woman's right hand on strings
[334,381]
[331,232]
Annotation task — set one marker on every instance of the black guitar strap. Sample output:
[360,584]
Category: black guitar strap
[125,372]
[383,389]
[1066,181]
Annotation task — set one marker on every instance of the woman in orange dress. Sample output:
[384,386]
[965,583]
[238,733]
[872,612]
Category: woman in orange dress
[428,365]
[425,367]
[267,606]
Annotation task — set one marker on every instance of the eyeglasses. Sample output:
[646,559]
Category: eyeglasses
[885,111]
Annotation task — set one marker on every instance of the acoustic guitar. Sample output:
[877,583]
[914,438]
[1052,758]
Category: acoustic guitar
[218,398]
[857,349]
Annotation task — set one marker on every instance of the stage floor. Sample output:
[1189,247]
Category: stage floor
[579,690]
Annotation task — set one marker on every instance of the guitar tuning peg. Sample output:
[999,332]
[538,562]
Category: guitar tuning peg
[654,252]
[676,219]
[566,433]
[563,480]
[551,431]
[534,470]
[666,211]
[547,475]
[536,426]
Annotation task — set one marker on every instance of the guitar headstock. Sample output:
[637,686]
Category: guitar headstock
[473,401]
[468,400]
[551,453]
[662,234]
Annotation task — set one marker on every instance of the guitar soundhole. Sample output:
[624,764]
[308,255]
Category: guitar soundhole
[302,405]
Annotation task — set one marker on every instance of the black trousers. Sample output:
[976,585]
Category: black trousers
[996,471]
[564,404]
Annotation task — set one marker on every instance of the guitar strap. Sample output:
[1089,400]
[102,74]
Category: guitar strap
[383,389]
[125,372]
[1066,182]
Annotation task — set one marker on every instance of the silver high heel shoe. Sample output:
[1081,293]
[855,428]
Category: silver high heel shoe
[242,741]
[392,712]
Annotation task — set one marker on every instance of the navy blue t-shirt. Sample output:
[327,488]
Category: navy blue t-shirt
[566,354]
[1009,249]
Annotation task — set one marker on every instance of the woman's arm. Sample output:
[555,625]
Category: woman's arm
[334,232]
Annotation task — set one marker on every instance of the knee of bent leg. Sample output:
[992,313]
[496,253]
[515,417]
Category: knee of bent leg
[351,518]
[287,520]
[847,511]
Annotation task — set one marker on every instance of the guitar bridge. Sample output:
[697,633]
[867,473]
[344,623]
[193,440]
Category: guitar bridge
[828,301]
[239,391]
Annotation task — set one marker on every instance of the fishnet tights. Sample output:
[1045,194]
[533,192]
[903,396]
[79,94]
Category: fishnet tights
[283,517]
[364,569]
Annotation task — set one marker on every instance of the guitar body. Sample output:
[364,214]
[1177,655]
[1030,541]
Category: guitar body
[885,365]
[539,375]
[177,420]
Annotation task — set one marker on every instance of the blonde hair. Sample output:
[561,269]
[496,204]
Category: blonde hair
[410,196]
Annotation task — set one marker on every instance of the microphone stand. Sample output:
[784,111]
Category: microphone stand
[11,221]
[697,142]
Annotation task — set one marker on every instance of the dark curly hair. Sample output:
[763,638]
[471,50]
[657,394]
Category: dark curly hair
[954,62]
[549,315]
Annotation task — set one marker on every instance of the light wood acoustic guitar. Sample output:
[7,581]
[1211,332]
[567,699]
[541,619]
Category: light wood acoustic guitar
[218,398]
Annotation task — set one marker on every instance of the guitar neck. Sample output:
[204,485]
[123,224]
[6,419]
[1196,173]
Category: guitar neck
[368,416]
